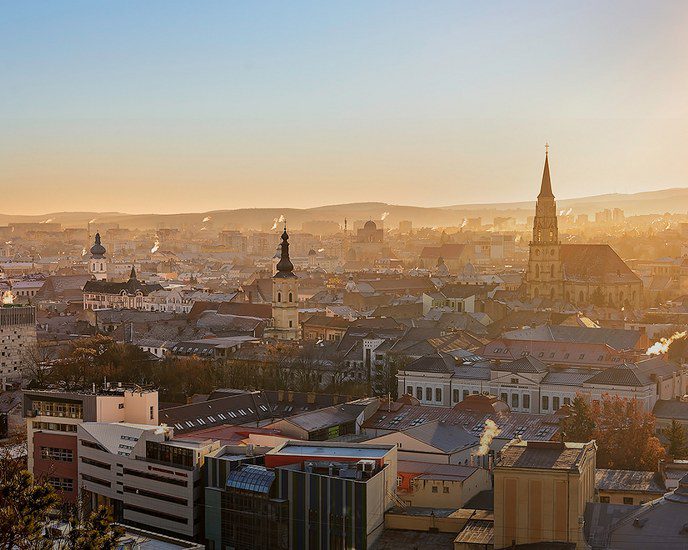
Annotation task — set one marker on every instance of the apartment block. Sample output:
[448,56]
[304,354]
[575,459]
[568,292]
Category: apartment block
[52,418]
[17,337]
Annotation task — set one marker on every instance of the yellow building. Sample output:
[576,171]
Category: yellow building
[540,492]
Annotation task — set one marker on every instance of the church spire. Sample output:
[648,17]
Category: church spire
[546,186]
[285,268]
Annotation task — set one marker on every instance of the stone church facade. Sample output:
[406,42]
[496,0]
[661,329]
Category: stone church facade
[580,274]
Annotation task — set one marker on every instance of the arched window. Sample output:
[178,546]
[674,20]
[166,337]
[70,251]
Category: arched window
[580,297]
[536,293]
[537,270]
[551,293]
[291,299]
[551,271]
[279,296]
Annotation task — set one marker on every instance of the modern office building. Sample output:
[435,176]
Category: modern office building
[143,476]
[306,495]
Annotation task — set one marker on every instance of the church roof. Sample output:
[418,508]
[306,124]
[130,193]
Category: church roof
[546,185]
[130,287]
[594,262]
[285,269]
[97,250]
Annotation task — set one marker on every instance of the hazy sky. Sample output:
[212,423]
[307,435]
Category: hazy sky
[163,106]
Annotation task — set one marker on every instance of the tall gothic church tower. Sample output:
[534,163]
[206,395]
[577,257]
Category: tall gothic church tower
[544,275]
[97,265]
[285,296]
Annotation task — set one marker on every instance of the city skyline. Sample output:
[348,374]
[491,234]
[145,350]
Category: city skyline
[221,107]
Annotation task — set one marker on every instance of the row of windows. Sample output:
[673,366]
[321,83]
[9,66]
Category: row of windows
[96,463]
[62,483]
[159,496]
[626,500]
[95,480]
[456,395]
[428,393]
[49,408]
[54,453]
[515,397]
[279,297]
[155,477]
[155,513]
[556,402]
[54,427]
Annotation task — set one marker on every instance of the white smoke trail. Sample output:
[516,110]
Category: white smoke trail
[92,221]
[489,433]
[207,219]
[384,215]
[281,219]
[662,347]
[7,298]
[156,246]
[463,223]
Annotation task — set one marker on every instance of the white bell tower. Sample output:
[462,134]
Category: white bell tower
[285,296]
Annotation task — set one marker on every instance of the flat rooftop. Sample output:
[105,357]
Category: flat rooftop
[364,451]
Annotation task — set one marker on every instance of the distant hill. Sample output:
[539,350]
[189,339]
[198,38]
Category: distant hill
[650,202]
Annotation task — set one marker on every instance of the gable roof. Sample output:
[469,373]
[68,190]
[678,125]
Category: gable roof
[598,262]
[620,339]
[434,363]
[623,375]
[527,363]
[445,437]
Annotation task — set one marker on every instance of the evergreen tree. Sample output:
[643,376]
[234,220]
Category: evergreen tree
[580,425]
[676,438]
[25,507]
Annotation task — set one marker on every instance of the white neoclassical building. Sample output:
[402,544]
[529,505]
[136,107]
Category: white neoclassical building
[529,385]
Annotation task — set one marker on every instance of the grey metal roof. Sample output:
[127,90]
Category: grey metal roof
[671,408]
[619,339]
[629,480]
[568,377]
[527,363]
[435,363]
[623,375]
[326,417]
[445,437]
